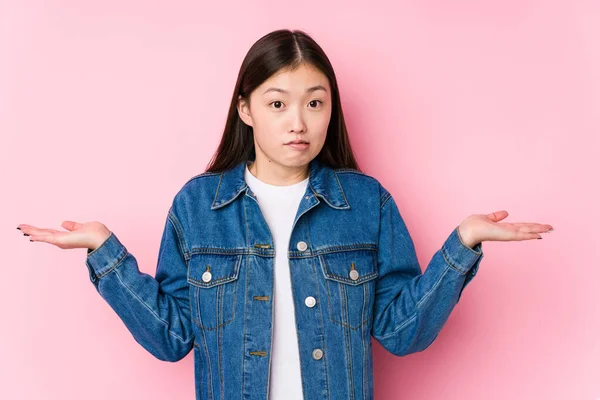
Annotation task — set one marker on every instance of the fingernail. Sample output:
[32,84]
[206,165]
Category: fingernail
[18,228]
[550,230]
[25,234]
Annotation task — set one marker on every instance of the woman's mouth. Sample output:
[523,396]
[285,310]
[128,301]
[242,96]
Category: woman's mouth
[298,146]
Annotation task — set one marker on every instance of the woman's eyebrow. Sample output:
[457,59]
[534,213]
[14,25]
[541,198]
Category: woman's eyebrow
[309,90]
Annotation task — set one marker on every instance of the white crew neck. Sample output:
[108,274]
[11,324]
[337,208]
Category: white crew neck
[268,186]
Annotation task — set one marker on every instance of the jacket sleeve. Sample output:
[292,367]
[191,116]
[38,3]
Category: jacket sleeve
[155,310]
[411,307]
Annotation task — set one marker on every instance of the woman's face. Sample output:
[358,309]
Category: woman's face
[289,105]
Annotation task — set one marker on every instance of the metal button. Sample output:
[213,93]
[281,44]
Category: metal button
[353,274]
[207,276]
[317,354]
[301,246]
[310,301]
[307,197]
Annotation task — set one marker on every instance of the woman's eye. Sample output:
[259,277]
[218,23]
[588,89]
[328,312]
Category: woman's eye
[278,104]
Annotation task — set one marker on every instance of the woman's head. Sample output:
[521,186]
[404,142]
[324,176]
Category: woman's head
[286,90]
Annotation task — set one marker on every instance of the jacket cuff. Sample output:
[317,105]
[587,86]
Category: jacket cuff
[105,257]
[458,255]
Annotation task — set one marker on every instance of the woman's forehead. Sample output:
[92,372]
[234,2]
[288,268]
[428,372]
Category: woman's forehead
[302,80]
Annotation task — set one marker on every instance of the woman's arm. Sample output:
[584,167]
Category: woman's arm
[411,307]
[155,309]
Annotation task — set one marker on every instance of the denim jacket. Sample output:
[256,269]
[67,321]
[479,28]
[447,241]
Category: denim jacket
[354,275]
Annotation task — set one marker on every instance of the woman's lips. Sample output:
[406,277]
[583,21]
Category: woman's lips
[298,146]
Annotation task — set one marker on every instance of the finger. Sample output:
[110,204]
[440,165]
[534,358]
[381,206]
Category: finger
[532,227]
[24,226]
[498,215]
[521,235]
[59,239]
[50,238]
[37,231]
[71,225]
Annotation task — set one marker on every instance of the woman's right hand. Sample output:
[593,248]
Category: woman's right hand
[88,235]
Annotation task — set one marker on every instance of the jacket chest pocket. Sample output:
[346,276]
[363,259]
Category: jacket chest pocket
[350,280]
[213,282]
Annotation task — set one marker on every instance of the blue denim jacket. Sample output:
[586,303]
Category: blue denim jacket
[213,289]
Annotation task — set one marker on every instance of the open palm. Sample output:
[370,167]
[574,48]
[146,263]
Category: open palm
[79,235]
[482,227]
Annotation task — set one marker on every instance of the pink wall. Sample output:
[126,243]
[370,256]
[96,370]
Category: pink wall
[107,108]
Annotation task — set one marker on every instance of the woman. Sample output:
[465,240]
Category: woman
[278,263]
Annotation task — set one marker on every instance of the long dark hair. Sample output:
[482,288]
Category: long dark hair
[277,50]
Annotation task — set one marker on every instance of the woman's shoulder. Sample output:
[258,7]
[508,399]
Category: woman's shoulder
[355,174]
[197,188]
[362,182]
[199,177]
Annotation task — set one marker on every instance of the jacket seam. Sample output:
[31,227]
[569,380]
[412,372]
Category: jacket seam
[150,309]
[341,188]
[125,254]
[384,199]
[211,392]
[400,328]
[219,355]
[417,307]
[246,305]
[179,233]
[364,337]
[201,175]
[347,341]
[451,265]
[428,294]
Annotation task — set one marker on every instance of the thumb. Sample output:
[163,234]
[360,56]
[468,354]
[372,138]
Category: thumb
[498,215]
[70,225]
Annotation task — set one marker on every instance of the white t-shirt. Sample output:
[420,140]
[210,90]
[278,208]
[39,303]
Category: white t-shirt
[279,205]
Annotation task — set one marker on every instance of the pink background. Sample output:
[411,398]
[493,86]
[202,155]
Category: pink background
[107,108]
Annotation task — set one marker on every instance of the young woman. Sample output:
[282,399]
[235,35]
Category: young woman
[281,260]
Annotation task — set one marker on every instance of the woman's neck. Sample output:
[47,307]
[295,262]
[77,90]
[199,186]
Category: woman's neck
[282,176]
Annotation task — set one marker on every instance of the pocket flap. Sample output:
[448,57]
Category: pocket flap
[208,270]
[338,266]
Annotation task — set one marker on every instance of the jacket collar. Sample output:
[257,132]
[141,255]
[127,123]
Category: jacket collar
[323,182]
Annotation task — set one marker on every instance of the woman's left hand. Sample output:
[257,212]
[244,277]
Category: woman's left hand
[481,227]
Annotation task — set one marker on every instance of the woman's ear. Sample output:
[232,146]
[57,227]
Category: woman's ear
[244,110]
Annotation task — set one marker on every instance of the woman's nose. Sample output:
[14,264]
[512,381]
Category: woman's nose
[297,123]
